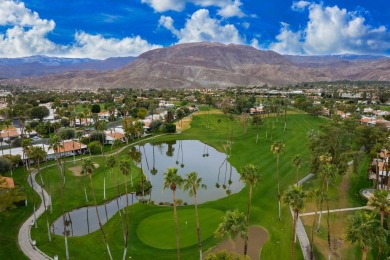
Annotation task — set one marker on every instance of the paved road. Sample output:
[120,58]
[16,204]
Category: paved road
[300,229]
[24,236]
[302,237]
[336,210]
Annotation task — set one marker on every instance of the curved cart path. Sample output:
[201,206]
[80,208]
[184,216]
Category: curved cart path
[24,236]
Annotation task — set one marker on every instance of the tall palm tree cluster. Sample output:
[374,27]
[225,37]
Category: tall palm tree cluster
[191,183]
[331,149]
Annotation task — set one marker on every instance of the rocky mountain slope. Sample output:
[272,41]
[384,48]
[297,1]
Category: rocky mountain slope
[218,65]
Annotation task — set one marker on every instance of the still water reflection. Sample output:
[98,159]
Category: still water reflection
[154,158]
[189,155]
[82,221]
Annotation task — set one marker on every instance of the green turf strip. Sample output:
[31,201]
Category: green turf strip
[162,228]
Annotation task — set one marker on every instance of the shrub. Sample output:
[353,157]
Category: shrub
[170,128]
[95,147]
[5,165]
[99,136]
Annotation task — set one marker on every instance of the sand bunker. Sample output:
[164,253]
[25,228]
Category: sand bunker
[76,170]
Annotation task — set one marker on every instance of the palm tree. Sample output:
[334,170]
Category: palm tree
[297,161]
[327,171]
[318,196]
[277,148]
[8,123]
[26,143]
[193,183]
[250,176]
[87,168]
[125,167]
[362,229]
[294,197]
[381,203]
[233,225]
[111,161]
[55,144]
[173,181]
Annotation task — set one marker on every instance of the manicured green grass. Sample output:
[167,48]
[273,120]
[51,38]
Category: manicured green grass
[215,130]
[11,220]
[163,228]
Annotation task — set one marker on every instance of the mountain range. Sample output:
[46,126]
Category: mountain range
[40,65]
[203,64]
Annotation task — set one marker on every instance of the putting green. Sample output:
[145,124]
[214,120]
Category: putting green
[159,230]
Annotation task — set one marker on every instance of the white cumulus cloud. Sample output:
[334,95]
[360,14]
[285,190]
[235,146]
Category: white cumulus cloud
[26,34]
[331,30]
[228,8]
[231,10]
[96,46]
[300,5]
[166,5]
[201,27]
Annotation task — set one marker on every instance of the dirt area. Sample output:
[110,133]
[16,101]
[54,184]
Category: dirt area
[76,170]
[339,245]
[184,124]
[338,221]
[256,240]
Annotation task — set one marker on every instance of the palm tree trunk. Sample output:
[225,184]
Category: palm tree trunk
[98,216]
[104,186]
[44,205]
[319,218]
[198,225]
[312,236]
[377,172]
[277,177]
[379,252]
[64,220]
[364,254]
[247,219]
[126,232]
[176,224]
[117,203]
[382,214]
[293,235]
[86,196]
[327,220]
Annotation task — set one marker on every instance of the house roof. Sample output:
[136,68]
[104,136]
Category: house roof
[10,133]
[366,120]
[69,146]
[6,183]
[115,135]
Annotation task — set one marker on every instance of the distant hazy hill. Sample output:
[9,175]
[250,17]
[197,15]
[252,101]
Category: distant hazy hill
[40,65]
[207,64]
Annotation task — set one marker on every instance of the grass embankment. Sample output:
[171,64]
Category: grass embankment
[216,130]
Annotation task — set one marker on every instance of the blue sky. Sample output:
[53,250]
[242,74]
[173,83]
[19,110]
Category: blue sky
[101,29]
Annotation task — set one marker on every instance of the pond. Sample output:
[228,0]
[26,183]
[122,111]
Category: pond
[82,221]
[187,156]
[154,158]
